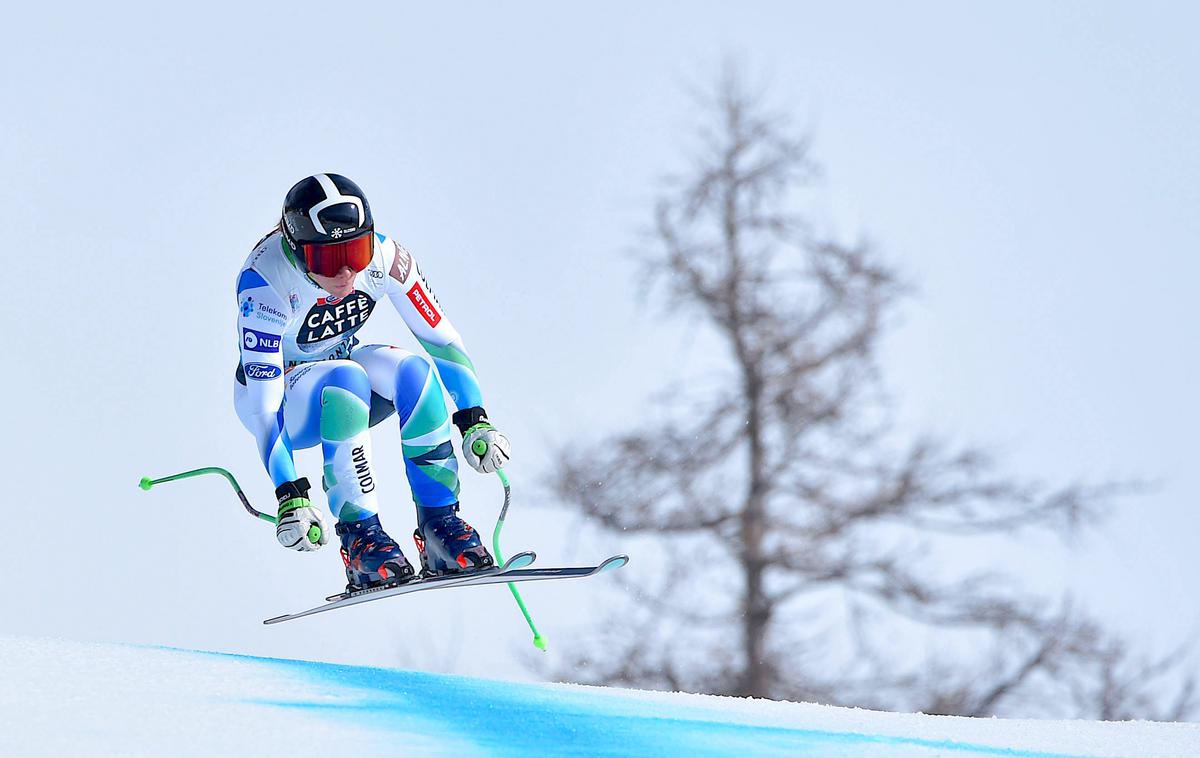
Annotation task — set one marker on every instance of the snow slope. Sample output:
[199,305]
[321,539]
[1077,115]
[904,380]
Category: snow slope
[68,698]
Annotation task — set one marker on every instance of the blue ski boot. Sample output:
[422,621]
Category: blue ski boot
[372,558]
[447,544]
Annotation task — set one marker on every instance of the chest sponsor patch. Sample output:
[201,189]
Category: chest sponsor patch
[261,372]
[334,317]
[424,305]
[260,342]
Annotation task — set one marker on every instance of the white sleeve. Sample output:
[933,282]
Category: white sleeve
[262,321]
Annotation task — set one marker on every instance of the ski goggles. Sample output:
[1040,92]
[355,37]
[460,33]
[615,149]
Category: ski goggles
[328,258]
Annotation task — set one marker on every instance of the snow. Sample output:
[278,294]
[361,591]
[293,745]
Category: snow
[60,697]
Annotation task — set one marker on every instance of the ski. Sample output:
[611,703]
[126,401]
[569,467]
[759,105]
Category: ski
[518,561]
[513,570]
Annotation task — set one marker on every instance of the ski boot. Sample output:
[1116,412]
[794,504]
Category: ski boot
[447,544]
[372,558]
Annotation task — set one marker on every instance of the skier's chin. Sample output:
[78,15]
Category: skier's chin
[338,286]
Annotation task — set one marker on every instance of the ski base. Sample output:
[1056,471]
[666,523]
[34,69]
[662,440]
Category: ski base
[513,570]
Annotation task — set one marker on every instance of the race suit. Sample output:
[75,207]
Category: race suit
[303,380]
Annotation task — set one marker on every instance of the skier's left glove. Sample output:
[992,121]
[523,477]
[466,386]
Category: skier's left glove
[484,446]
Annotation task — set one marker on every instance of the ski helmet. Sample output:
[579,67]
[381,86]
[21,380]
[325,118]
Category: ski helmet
[327,221]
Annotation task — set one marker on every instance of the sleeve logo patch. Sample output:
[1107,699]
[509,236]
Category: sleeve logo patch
[424,305]
[402,263]
[263,312]
[261,372]
[260,342]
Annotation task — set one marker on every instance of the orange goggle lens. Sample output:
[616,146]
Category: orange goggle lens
[328,258]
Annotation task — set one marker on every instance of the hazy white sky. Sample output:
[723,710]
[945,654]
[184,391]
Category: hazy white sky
[1032,167]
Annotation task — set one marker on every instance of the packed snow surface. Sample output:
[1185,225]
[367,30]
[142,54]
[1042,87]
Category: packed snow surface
[68,698]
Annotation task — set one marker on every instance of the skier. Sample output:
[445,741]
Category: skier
[303,380]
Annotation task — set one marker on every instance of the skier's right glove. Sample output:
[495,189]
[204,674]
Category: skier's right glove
[299,525]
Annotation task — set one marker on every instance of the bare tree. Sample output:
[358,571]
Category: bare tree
[799,528]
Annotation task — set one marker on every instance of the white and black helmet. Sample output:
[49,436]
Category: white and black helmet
[325,208]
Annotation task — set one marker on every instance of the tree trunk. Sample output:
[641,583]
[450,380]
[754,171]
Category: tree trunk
[757,611]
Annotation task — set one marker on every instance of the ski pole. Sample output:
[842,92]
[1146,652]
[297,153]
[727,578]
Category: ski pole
[314,532]
[538,640]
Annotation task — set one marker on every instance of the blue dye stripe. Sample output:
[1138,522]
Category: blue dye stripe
[503,719]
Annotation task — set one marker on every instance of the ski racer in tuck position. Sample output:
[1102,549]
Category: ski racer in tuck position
[304,380]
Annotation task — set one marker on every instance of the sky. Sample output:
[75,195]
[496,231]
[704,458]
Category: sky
[1031,167]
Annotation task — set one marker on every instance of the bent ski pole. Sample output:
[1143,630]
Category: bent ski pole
[538,640]
[314,533]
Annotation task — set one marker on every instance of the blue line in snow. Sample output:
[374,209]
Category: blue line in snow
[503,718]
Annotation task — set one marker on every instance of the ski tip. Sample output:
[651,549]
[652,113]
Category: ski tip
[518,561]
[275,620]
[146,483]
[615,562]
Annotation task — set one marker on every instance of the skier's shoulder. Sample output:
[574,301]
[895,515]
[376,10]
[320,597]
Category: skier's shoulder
[267,265]
[406,279]
[262,280]
[393,257]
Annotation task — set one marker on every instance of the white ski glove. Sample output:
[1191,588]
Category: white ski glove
[484,447]
[299,525]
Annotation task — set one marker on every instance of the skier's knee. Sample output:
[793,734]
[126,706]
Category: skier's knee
[351,377]
[411,375]
[343,414]
[345,403]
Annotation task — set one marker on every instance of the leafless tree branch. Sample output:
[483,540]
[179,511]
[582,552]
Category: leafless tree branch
[822,520]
